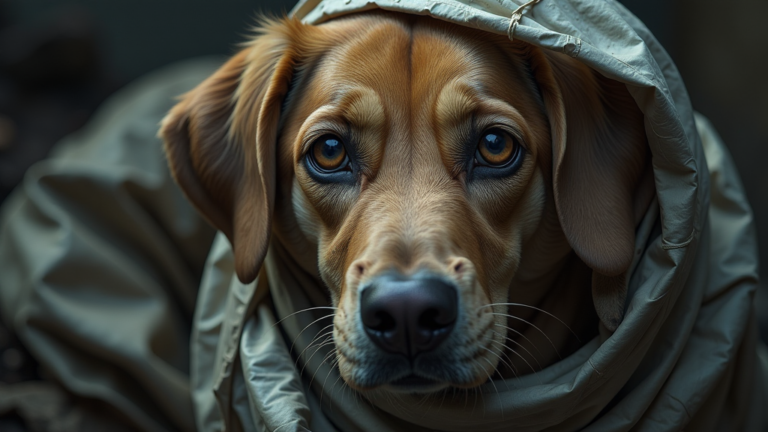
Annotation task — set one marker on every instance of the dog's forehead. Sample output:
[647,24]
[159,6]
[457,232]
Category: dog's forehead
[406,62]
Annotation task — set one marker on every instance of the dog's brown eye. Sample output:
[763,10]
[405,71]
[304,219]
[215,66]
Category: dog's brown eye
[329,153]
[496,148]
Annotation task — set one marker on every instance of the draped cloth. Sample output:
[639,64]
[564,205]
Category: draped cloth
[100,255]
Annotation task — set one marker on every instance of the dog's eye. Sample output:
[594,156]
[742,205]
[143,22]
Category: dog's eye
[328,153]
[496,148]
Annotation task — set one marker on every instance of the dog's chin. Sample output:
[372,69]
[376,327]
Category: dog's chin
[413,384]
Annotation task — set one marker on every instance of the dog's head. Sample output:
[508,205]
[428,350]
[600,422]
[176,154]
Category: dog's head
[427,173]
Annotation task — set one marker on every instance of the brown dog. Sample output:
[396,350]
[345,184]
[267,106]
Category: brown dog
[445,184]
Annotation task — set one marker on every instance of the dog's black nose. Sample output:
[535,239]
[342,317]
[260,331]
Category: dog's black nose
[408,316]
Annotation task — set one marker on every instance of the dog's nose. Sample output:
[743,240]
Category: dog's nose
[408,316]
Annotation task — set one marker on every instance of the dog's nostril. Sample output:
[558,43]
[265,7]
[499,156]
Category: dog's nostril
[383,322]
[408,316]
[434,319]
[458,267]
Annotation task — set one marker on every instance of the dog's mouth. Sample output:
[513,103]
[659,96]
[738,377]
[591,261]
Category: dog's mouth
[415,384]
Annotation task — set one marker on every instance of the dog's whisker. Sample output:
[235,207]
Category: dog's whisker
[524,337]
[314,340]
[331,365]
[503,345]
[479,389]
[496,368]
[343,384]
[534,326]
[445,392]
[325,359]
[357,396]
[534,345]
[399,404]
[303,310]
[498,395]
[421,403]
[316,343]
[521,346]
[466,399]
[389,399]
[537,309]
[322,393]
[504,362]
[352,394]
[316,351]
[398,400]
[509,363]
[502,351]
[521,358]
[518,354]
[306,327]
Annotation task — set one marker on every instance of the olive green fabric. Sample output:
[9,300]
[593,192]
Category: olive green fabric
[100,261]
[100,257]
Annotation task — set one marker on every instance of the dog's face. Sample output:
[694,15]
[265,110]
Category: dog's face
[420,171]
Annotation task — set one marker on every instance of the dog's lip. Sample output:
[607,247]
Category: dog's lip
[415,384]
[412,380]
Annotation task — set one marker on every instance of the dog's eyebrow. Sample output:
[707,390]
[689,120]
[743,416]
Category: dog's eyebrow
[363,110]
[360,109]
[454,105]
[453,120]
[365,113]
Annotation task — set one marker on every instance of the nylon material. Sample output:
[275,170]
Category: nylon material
[318,421]
[69,244]
[733,217]
[656,366]
[242,417]
[675,417]
[643,235]
[227,349]
[712,348]
[206,335]
[91,381]
[270,376]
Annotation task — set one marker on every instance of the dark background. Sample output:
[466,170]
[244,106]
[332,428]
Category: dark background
[59,59]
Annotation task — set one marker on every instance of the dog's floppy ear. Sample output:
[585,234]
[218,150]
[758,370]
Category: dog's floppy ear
[600,160]
[220,143]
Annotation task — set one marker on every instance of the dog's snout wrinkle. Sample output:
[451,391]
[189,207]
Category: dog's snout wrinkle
[408,316]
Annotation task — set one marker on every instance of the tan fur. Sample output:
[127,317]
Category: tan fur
[409,91]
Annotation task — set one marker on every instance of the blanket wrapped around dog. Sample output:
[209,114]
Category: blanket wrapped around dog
[99,253]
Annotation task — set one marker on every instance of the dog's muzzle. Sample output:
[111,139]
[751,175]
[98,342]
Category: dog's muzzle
[408,315]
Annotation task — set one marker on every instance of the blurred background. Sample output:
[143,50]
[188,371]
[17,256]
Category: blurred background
[59,59]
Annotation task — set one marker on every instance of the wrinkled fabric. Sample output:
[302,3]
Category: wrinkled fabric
[100,262]
[100,256]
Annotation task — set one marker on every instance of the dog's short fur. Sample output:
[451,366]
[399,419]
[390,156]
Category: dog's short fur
[410,98]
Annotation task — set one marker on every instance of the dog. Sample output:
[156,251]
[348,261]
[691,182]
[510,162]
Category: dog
[469,202]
